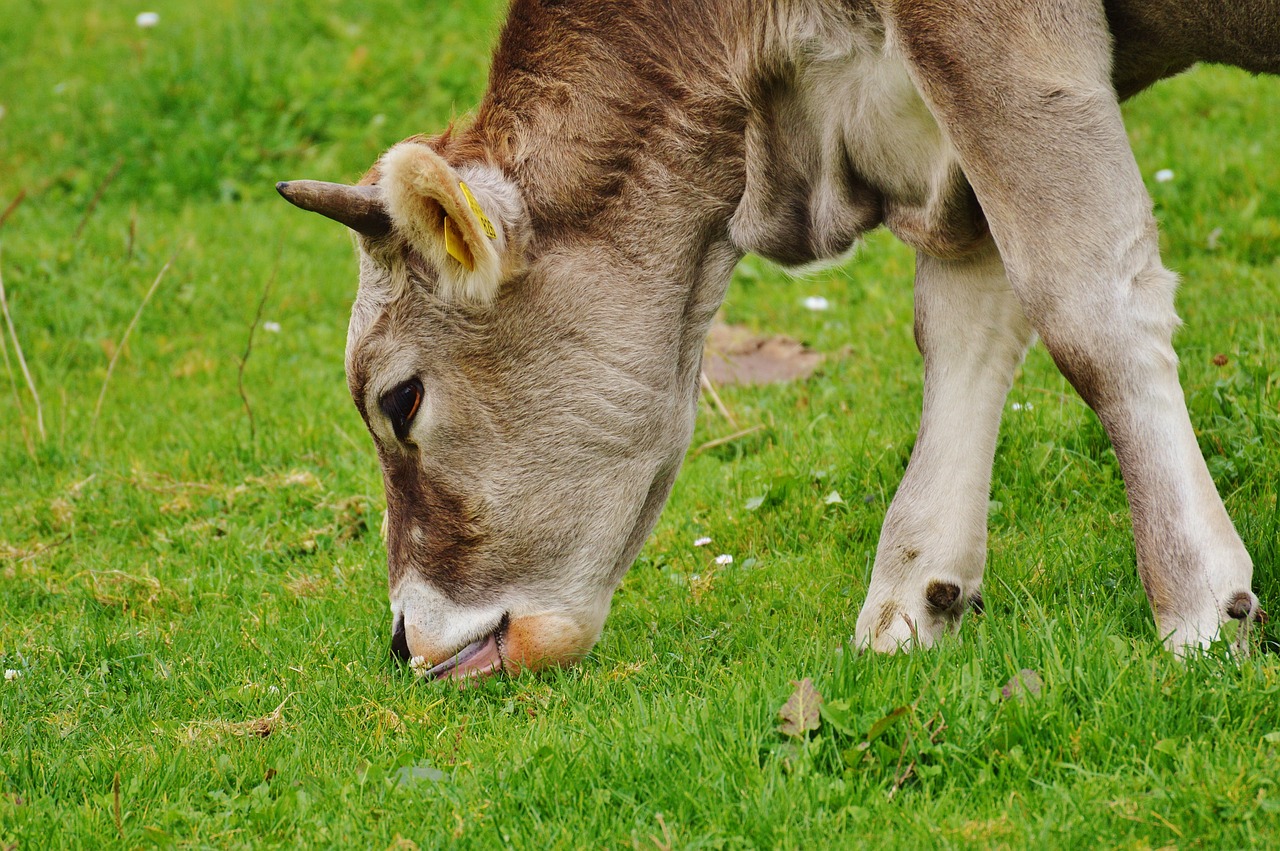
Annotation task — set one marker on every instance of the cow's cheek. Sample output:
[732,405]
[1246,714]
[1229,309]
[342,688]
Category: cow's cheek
[545,641]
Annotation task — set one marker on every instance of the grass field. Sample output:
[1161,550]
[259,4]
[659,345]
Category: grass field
[193,600]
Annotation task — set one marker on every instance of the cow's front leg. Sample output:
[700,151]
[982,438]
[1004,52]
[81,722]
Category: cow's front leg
[928,570]
[1023,91]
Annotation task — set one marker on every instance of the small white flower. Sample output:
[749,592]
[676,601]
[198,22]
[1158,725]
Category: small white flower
[418,663]
[723,559]
[10,675]
[1017,406]
[273,689]
[1164,175]
[816,302]
[273,327]
[702,542]
[146,20]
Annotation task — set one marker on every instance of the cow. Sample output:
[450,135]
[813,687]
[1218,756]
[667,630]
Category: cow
[535,288]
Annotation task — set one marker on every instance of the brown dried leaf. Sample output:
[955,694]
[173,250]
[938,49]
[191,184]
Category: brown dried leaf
[1025,682]
[734,355]
[800,714]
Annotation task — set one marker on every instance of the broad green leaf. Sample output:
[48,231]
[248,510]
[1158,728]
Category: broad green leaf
[883,724]
[839,714]
[411,774]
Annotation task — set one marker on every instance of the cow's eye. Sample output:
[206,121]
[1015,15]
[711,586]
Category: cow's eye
[401,404]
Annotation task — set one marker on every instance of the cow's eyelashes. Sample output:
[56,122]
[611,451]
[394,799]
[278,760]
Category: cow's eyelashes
[401,404]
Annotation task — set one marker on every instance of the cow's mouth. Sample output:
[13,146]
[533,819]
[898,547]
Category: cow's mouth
[480,657]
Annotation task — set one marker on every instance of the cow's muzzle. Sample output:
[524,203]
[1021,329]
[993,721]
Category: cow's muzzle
[480,657]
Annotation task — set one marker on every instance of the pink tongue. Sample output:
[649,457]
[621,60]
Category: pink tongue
[478,657]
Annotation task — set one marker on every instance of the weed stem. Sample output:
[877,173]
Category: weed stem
[115,356]
[248,348]
[22,361]
[97,196]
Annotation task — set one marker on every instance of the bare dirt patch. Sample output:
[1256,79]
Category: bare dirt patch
[736,355]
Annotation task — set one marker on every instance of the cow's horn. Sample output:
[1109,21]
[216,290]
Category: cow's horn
[358,207]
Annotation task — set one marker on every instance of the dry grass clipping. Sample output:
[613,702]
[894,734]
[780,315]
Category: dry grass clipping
[259,728]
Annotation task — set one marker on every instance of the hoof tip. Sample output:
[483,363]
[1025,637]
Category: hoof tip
[942,595]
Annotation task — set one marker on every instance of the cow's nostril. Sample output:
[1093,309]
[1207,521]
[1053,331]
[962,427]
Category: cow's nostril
[399,644]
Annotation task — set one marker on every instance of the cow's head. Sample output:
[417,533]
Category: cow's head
[530,394]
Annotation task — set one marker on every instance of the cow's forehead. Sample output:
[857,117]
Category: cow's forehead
[382,329]
[375,292]
[397,323]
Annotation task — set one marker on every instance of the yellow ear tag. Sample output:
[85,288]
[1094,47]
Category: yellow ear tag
[475,208]
[457,246]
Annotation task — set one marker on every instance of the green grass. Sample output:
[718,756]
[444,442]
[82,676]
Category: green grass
[165,581]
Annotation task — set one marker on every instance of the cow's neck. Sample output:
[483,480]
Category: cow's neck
[666,139]
[622,126]
[609,110]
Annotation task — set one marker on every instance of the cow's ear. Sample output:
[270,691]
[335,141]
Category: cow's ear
[464,221]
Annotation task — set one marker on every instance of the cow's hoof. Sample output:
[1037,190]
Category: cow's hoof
[1244,607]
[890,626]
[1230,621]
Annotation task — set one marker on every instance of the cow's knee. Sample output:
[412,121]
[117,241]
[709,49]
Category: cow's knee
[1114,343]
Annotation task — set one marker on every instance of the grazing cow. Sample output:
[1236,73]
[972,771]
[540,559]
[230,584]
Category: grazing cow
[535,288]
